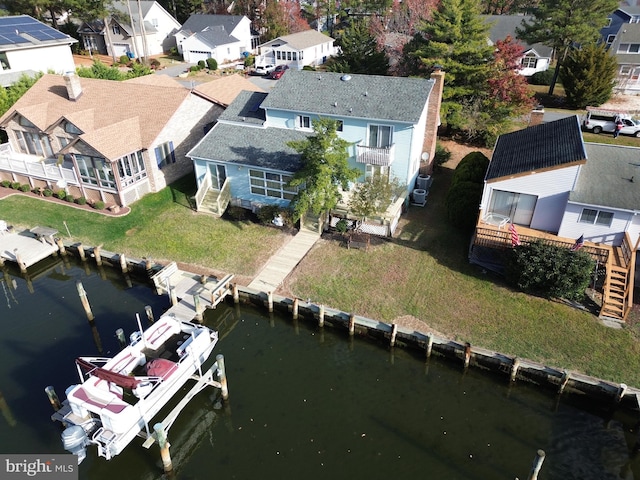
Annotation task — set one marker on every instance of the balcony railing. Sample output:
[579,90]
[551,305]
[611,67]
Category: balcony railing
[35,166]
[382,156]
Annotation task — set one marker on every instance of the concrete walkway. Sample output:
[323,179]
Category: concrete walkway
[284,261]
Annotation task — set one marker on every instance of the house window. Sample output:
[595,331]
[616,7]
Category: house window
[165,154]
[629,48]
[300,55]
[519,207]
[131,168]
[271,184]
[610,39]
[339,125]
[25,123]
[154,22]
[372,171]
[63,141]
[116,29]
[4,62]
[95,171]
[304,122]
[625,70]
[71,128]
[34,144]
[278,55]
[529,61]
[597,217]
[288,55]
[294,56]
[379,136]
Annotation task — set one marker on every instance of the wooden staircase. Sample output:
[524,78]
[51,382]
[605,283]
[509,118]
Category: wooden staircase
[617,298]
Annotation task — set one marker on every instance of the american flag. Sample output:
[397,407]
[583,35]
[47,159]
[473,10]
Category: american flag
[515,238]
[579,244]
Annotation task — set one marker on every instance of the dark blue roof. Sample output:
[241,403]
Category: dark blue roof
[541,147]
[23,29]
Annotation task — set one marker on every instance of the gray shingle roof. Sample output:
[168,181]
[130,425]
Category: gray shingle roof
[628,33]
[258,147]
[606,178]
[198,22]
[502,25]
[541,147]
[398,99]
[216,35]
[245,108]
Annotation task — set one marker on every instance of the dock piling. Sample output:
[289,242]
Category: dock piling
[96,253]
[222,376]
[196,305]
[429,344]
[123,263]
[84,300]
[21,264]
[294,308]
[164,445]
[149,312]
[621,391]
[173,296]
[321,316]
[352,324]
[563,382]
[121,338]
[514,369]
[236,295]
[394,333]
[537,465]
[53,398]
[81,253]
[61,248]
[270,301]
[467,354]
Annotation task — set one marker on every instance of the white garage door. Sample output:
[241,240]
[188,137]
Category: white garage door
[196,56]
[120,49]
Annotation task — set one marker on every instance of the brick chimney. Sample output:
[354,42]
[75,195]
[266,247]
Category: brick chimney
[433,119]
[536,116]
[72,82]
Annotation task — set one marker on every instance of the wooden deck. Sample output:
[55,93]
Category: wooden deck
[24,248]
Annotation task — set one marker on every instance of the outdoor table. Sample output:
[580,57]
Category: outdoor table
[44,234]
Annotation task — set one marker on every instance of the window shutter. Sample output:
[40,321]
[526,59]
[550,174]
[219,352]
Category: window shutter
[159,157]
[173,155]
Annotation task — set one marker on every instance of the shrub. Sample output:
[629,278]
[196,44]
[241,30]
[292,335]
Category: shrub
[5,183]
[15,185]
[61,194]
[70,198]
[249,61]
[472,168]
[310,68]
[47,192]
[81,201]
[98,205]
[549,270]
[462,202]
[173,51]
[212,64]
[542,78]
[201,64]
[194,68]
[342,226]
[267,213]
[442,155]
[25,188]
[155,63]
[124,59]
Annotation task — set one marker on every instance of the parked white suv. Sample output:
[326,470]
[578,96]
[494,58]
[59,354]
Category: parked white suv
[264,69]
[606,122]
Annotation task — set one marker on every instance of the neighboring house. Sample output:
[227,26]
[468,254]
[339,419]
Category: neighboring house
[128,35]
[102,139]
[223,37]
[28,46]
[297,50]
[391,123]
[626,48]
[536,57]
[545,178]
[623,15]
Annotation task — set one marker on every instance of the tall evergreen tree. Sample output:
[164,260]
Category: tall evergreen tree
[325,169]
[563,24]
[588,76]
[359,51]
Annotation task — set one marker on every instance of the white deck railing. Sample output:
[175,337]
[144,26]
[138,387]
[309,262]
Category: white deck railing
[202,191]
[375,155]
[34,166]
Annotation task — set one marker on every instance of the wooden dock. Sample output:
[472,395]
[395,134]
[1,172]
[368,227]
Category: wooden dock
[25,248]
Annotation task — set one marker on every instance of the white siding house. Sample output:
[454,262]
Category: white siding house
[28,46]
[297,50]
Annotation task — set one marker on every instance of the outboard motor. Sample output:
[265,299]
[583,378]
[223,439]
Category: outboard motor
[74,440]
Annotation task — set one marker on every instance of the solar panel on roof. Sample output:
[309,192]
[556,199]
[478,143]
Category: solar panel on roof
[255,106]
[12,27]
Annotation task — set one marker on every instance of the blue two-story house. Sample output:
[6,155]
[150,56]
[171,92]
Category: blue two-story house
[390,122]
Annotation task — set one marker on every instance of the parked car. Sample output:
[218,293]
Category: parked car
[278,72]
[264,69]
[606,122]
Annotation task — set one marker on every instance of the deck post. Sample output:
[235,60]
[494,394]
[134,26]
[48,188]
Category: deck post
[222,376]
[84,300]
[537,465]
[270,301]
[121,339]
[236,296]
[514,369]
[394,333]
[53,398]
[123,263]
[61,249]
[467,354]
[321,315]
[81,252]
[429,344]
[196,305]
[149,312]
[294,309]
[21,264]
[352,324]
[96,253]
[161,436]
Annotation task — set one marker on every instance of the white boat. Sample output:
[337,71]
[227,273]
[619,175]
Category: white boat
[118,397]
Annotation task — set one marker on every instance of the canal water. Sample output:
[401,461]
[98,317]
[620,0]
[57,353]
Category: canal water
[304,403]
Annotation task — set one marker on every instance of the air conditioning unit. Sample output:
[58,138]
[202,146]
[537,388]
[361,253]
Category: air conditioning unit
[423,182]
[419,197]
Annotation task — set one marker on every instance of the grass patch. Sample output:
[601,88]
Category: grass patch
[162,226]
[425,273]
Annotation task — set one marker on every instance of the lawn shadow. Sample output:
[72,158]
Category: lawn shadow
[183,191]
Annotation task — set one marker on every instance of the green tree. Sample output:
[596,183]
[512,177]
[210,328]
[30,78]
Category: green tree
[10,95]
[374,196]
[100,70]
[359,51]
[588,76]
[324,170]
[465,192]
[48,11]
[563,24]
[549,270]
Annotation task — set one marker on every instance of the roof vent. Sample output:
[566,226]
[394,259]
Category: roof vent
[345,78]
[366,94]
[335,104]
